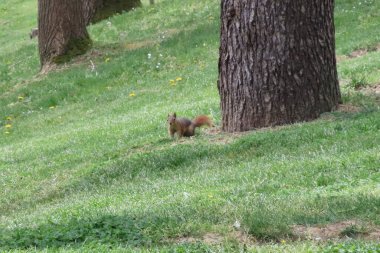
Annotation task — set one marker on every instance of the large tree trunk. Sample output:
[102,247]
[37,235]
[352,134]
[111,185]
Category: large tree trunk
[89,9]
[62,31]
[97,10]
[277,62]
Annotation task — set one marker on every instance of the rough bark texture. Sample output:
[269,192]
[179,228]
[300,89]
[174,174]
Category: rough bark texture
[277,62]
[89,9]
[97,10]
[62,31]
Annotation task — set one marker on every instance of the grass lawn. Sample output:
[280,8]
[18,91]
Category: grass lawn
[86,164]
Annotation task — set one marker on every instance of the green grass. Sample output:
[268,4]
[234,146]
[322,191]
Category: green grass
[356,25]
[85,167]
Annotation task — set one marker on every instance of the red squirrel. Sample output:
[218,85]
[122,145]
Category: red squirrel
[184,126]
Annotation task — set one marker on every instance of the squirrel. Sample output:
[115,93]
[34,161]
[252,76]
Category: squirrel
[186,127]
[33,33]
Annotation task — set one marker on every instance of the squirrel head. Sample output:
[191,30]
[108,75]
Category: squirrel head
[171,118]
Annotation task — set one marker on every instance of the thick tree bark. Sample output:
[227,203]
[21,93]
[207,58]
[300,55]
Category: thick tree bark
[62,31]
[277,62]
[89,9]
[97,10]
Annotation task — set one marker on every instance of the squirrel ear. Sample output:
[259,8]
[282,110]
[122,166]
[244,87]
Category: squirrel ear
[174,115]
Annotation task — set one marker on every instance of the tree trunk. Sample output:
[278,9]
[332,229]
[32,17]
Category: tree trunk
[89,9]
[277,62]
[62,31]
[97,10]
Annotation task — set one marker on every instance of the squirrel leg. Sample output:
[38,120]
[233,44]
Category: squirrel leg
[180,134]
[189,131]
[171,132]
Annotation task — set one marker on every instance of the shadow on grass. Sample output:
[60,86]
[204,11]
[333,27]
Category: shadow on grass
[161,158]
[268,218]
[107,229]
[272,218]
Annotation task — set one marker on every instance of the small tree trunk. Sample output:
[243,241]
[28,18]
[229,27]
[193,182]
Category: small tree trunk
[62,31]
[277,62]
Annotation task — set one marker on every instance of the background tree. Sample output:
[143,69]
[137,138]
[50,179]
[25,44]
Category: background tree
[61,31]
[96,10]
[277,62]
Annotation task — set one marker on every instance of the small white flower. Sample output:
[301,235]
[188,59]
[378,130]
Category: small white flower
[236,224]
[149,55]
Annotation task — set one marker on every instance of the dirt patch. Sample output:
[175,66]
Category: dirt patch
[84,58]
[209,238]
[374,235]
[339,230]
[213,130]
[185,239]
[242,237]
[47,68]
[348,108]
[212,238]
[215,238]
[373,89]
[139,44]
[217,136]
[340,58]
[363,51]
[161,36]
[351,229]
[357,53]
[5,22]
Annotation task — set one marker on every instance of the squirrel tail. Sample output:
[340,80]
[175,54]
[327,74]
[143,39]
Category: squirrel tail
[202,120]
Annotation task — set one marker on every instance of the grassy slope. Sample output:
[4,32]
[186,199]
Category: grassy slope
[84,159]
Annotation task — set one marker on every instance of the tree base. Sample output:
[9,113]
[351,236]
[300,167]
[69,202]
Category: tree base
[75,47]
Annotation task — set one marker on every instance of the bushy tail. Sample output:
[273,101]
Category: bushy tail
[202,120]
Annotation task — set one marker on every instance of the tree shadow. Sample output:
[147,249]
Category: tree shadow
[268,218]
[107,9]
